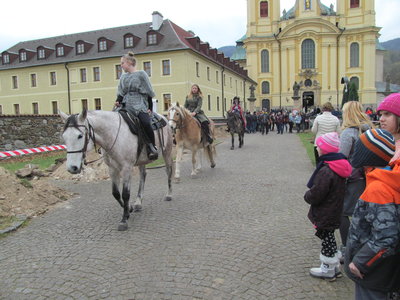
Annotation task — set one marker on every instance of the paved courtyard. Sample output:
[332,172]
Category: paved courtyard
[239,231]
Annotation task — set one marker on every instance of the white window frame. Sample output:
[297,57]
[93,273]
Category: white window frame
[22,56]
[129,41]
[41,53]
[102,45]
[80,48]
[60,51]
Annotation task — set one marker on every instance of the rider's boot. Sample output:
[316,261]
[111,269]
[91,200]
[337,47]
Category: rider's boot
[206,130]
[152,152]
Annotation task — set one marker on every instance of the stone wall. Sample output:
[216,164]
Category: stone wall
[29,131]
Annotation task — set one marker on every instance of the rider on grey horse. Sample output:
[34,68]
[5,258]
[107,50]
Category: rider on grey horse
[134,94]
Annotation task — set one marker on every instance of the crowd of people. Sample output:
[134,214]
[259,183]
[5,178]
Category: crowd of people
[281,120]
[355,189]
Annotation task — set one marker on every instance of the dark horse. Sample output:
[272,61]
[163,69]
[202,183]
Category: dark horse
[235,125]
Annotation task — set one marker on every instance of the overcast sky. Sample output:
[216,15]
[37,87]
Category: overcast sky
[218,22]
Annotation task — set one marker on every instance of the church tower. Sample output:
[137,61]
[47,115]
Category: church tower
[299,57]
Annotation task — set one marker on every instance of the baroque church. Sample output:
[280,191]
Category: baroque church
[308,55]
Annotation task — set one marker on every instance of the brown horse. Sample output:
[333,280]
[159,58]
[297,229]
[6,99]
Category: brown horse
[188,135]
[235,125]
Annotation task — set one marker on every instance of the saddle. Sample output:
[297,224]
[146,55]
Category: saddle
[135,126]
[157,122]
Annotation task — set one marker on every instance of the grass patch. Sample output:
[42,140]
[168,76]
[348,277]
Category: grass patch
[307,138]
[43,162]
[26,183]
[6,222]
[158,163]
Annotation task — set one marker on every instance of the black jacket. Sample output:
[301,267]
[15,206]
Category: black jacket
[326,199]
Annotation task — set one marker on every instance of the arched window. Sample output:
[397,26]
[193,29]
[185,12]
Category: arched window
[265,87]
[308,54]
[354,55]
[264,61]
[264,9]
[354,3]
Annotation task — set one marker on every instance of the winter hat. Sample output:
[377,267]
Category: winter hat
[391,104]
[328,142]
[375,147]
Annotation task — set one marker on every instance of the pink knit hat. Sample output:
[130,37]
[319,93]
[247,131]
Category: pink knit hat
[391,104]
[328,142]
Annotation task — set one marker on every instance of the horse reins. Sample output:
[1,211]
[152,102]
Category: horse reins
[180,124]
[90,135]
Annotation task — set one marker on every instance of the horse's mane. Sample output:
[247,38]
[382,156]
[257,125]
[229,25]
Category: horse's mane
[184,112]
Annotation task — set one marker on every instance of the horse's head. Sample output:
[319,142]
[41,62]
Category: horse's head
[176,116]
[76,138]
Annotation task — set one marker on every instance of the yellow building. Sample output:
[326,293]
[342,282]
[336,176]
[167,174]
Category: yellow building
[313,47]
[82,70]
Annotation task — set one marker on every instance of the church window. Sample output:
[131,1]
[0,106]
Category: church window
[264,61]
[307,4]
[308,54]
[354,3]
[265,87]
[354,55]
[264,9]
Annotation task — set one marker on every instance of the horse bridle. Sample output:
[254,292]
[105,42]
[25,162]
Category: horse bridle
[179,125]
[90,135]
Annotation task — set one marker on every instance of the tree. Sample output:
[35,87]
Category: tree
[353,93]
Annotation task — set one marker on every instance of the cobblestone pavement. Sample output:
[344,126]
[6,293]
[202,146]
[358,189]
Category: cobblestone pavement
[238,231]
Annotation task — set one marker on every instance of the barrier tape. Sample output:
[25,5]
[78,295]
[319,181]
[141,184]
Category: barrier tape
[31,151]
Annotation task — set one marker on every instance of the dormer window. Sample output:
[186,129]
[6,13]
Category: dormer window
[41,53]
[6,59]
[128,41]
[102,45]
[60,50]
[152,39]
[80,48]
[22,56]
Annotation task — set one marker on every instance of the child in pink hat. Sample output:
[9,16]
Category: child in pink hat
[325,195]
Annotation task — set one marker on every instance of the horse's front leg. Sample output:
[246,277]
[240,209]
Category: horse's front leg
[196,161]
[233,140]
[138,202]
[115,181]
[126,192]
[168,168]
[179,154]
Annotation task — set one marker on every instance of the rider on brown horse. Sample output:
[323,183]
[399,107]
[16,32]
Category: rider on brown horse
[193,103]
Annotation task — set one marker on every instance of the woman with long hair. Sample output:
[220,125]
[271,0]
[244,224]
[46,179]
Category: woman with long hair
[355,122]
[193,103]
